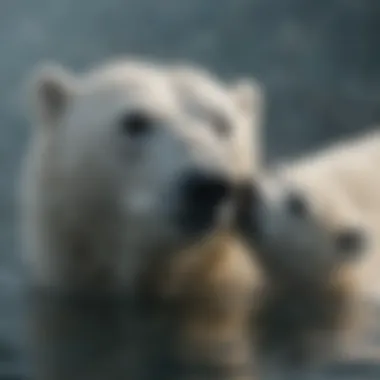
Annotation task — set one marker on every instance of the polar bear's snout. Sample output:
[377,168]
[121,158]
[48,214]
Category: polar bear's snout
[202,195]
[205,190]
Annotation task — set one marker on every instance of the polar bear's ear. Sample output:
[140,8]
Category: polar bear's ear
[249,96]
[52,89]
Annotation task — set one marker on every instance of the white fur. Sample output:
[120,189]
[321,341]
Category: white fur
[93,200]
[341,185]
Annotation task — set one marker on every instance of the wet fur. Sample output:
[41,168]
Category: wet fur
[208,291]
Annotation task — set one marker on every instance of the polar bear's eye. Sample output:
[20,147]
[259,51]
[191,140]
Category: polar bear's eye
[296,205]
[221,125]
[136,124]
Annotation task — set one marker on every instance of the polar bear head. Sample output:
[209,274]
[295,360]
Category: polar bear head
[302,231]
[146,154]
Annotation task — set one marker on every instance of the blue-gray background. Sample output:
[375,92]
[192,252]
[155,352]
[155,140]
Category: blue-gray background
[319,61]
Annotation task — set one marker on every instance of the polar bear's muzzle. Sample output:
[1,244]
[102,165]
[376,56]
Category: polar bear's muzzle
[202,195]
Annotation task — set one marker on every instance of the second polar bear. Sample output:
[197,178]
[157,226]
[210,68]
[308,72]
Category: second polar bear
[322,207]
[314,226]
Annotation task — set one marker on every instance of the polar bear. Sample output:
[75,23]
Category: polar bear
[324,206]
[130,175]
[313,225]
[127,160]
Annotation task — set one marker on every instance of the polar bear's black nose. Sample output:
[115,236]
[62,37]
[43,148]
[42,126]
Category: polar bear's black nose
[205,190]
[201,196]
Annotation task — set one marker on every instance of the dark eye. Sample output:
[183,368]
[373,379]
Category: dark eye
[296,205]
[136,124]
[221,125]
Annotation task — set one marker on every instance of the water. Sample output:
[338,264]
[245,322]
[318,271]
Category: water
[319,61]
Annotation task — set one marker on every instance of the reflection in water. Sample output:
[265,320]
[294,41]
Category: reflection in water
[107,337]
[97,337]
[111,338]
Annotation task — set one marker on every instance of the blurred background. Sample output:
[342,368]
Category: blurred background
[319,61]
